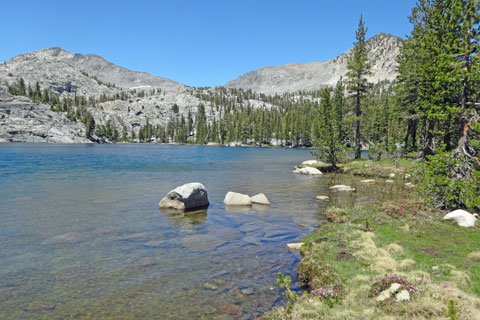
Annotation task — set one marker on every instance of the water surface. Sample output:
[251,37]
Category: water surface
[81,235]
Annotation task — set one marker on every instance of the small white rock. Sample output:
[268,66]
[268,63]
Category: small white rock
[322,197]
[385,294]
[389,181]
[260,199]
[403,295]
[294,246]
[342,187]
[237,199]
[391,175]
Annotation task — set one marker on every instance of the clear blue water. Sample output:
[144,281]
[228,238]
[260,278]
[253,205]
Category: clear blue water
[81,235]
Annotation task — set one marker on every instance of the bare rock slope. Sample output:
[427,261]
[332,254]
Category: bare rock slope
[87,75]
[24,121]
[383,51]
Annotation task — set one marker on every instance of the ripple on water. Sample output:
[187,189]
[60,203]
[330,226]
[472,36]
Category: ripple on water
[82,236]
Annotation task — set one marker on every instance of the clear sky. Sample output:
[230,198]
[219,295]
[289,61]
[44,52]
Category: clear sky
[197,42]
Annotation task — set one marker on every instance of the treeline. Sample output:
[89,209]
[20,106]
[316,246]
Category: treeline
[439,89]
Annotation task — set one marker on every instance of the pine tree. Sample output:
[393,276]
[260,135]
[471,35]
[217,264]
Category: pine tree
[329,144]
[358,69]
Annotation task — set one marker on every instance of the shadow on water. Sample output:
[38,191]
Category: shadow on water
[177,217]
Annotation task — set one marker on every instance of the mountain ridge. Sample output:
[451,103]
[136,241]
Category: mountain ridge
[130,100]
[317,74]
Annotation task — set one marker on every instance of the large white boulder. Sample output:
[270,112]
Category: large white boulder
[462,218]
[308,171]
[237,199]
[311,162]
[260,199]
[190,196]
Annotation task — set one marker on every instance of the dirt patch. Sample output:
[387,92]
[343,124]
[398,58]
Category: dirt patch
[344,255]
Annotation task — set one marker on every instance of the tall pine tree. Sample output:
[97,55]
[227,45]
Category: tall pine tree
[358,69]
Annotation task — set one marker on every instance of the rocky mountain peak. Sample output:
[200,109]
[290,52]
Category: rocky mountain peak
[383,51]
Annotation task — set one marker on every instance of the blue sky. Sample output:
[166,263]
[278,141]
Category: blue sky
[198,43]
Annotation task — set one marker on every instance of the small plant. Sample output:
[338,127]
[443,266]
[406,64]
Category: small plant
[451,311]
[368,227]
[382,284]
[284,282]
[330,296]
[336,215]
[395,212]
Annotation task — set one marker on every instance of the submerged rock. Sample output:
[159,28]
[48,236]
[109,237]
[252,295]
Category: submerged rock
[66,238]
[247,291]
[462,218]
[190,196]
[231,309]
[308,171]
[322,197]
[37,305]
[237,199]
[342,187]
[210,286]
[260,199]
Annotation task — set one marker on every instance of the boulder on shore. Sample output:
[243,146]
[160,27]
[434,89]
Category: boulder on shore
[462,218]
[295,246]
[313,163]
[368,181]
[308,171]
[260,199]
[188,197]
[237,199]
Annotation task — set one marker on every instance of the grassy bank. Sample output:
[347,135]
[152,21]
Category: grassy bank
[360,251]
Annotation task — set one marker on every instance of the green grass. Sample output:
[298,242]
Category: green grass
[408,239]
[381,169]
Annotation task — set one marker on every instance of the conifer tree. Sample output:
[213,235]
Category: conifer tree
[358,69]
[329,144]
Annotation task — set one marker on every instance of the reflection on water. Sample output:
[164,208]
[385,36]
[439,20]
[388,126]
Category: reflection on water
[82,236]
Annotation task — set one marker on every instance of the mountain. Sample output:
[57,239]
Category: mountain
[86,75]
[383,50]
[126,101]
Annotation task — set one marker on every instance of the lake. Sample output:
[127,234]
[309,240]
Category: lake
[81,235]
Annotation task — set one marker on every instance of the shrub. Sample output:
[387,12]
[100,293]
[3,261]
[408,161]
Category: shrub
[329,296]
[445,182]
